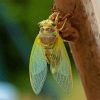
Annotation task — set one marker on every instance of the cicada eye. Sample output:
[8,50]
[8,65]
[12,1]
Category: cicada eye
[53,24]
[48,29]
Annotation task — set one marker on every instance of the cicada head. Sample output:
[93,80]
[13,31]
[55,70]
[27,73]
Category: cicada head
[48,33]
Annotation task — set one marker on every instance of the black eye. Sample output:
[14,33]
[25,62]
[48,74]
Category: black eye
[53,24]
[48,29]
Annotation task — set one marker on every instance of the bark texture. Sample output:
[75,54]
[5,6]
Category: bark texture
[86,50]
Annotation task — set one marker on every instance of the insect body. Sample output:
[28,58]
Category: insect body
[49,48]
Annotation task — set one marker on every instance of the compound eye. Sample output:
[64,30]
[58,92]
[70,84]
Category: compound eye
[48,29]
[53,24]
[41,29]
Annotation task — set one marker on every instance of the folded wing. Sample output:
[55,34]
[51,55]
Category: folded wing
[37,66]
[60,66]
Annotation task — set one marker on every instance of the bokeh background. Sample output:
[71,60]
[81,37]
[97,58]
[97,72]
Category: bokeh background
[18,29]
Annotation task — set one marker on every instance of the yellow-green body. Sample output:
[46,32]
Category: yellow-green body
[49,48]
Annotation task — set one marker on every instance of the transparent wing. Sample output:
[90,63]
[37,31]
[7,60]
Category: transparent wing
[37,66]
[60,66]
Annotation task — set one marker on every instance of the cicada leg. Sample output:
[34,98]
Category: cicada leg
[56,21]
[63,25]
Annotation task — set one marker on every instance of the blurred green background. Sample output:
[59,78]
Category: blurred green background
[18,29]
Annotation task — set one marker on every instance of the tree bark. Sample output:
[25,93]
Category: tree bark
[86,50]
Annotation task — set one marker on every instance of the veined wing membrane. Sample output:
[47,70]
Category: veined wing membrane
[60,66]
[37,66]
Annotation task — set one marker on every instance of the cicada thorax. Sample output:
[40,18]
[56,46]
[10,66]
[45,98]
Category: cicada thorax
[48,40]
[49,43]
[52,54]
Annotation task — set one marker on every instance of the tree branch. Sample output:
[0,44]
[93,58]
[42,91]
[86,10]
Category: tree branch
[86,50]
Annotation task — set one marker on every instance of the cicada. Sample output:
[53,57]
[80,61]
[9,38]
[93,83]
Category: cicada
[49,48]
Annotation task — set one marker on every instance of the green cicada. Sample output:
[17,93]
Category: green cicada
[49,48]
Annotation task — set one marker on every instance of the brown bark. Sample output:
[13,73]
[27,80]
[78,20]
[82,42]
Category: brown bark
[86,50]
